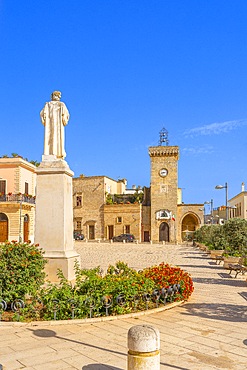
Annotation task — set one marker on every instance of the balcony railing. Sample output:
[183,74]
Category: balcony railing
[17,198]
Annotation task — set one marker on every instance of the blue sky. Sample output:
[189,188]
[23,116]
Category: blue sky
[127,69]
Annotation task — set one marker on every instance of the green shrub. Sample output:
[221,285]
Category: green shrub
[236,236]
[232,236]
[21,270]
[90,288]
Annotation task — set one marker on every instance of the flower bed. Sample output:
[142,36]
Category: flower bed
[165,276]
[121,290]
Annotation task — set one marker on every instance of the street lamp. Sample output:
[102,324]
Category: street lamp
[211,205]
[218,187]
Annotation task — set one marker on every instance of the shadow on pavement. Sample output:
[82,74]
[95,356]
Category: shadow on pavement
[216,311]
[46,333]
[100,367]
[215,267]
[225,281]
[202,257]
[168,366]
[243,295]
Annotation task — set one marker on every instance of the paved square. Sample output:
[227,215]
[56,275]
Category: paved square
[208,332]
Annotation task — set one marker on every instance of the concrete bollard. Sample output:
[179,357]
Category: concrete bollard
[144,348]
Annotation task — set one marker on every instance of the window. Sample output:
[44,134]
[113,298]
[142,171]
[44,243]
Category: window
[78,200]
[119,220]
[3,187]
[127,229]
[78,225]
[26,187]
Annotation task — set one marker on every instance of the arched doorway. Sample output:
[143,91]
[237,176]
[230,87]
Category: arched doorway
[3,227]
[189,225]
[26,228]
[164,232]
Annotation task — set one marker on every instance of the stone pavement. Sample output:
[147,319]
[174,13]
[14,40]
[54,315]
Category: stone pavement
[208,332]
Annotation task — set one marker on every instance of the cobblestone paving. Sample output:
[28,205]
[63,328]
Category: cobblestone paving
[208,332]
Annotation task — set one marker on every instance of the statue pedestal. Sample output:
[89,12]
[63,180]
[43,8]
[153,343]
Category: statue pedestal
[54,217]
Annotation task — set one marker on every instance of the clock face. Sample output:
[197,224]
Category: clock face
[163,172]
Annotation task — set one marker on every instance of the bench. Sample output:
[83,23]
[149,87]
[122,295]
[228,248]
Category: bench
[238,267]
[219,259]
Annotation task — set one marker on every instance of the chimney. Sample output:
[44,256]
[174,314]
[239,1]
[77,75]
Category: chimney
[242,186]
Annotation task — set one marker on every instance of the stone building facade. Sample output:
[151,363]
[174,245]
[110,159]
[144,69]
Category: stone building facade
[17,199]
[238,204]
[103,207]
[89,201]
[159,216]
[123,218]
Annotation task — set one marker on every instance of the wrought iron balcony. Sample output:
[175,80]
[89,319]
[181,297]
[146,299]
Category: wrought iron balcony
[17,198]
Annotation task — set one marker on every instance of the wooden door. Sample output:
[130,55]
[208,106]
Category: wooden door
[91,232]
[3,227]
[26,228]
[164,232]
[146,236]
[110,232]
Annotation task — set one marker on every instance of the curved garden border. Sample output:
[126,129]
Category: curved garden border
[93,319]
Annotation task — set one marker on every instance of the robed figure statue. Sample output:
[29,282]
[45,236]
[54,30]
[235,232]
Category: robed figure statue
[54,117]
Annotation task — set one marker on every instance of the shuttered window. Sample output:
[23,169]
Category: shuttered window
[3,186]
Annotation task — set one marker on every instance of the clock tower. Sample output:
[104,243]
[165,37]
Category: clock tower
[164,192]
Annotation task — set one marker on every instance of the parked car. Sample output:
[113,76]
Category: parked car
[78,236]
[124,237]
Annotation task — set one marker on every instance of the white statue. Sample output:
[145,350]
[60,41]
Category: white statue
[54,117]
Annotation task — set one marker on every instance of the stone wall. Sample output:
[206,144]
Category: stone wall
[90,211]
[121,215]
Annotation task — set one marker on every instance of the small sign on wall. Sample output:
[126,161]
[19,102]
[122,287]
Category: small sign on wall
[163,214]
[163,188]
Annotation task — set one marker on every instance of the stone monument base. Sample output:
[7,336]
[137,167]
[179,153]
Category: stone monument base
[54,217]
[65,262]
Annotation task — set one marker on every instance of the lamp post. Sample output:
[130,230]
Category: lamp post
[211,207]
[218,187]
[211,202]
